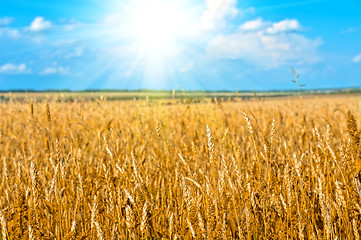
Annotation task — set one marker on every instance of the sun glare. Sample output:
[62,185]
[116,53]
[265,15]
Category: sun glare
[158,25]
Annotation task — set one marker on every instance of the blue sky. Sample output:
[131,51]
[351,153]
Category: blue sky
[189,44]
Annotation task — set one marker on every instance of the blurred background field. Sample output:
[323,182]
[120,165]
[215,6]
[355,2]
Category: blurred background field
[162,94]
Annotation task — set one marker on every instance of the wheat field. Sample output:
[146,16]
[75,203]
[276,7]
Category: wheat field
[260,169]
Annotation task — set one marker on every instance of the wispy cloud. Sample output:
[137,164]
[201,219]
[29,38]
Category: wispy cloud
[111,19]
[187,67]
[266,44]
[77,52]
[349,30]
[217,13]
[10,68]
[39,24]
[72,25]
[6,21]
[55,71]
[357,58]
[10,32]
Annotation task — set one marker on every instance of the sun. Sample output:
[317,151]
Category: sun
[157,25]
[156,37]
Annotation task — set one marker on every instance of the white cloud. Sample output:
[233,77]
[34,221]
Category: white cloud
[218,11]
[14,69]
[257,42]
[39,24]
[55,71]
[357,59]
[284,26]
[287,25]
[6,21]
[254,25]
[9,32]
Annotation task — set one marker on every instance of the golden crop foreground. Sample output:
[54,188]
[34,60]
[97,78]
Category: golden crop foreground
[265,169]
